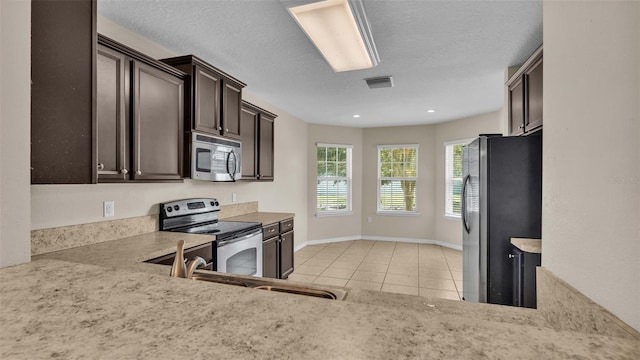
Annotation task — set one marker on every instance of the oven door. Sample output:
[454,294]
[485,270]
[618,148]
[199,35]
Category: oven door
[242,256]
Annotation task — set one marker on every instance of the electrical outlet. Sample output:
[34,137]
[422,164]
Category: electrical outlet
[234,198]
[369,219]
[108,208]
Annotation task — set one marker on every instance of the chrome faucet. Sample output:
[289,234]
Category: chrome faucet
[179,269]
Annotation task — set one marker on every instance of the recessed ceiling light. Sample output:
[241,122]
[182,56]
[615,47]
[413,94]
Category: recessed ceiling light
[356,116]
[431,110]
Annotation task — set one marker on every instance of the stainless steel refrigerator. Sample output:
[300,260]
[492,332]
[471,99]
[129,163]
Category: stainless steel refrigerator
[501,198]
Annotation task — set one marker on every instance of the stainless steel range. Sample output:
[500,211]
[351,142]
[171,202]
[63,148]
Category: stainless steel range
[239,244]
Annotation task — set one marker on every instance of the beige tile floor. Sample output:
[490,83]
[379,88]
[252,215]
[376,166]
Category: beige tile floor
[406,268]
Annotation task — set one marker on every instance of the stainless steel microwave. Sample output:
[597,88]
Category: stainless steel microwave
[214,158]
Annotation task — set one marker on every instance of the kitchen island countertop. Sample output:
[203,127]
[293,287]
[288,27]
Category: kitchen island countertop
[53,308]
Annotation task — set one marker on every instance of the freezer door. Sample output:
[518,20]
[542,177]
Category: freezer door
[471,275]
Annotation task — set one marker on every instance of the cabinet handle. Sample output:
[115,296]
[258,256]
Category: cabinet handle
[272,230]
[511,256]
[100,166]
[138,172]
[124,171]
[288,225]
[521,127]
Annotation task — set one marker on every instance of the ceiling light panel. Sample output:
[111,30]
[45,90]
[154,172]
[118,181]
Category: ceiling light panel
[343,41]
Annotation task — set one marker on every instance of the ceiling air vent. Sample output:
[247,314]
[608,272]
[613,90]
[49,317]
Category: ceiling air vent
[379,82]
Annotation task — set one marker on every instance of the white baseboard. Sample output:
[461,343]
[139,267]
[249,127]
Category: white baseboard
[379,238]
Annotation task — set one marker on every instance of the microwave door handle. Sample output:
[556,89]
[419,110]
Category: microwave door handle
[235,159]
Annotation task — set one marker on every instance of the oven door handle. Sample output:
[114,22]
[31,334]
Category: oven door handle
[248,236]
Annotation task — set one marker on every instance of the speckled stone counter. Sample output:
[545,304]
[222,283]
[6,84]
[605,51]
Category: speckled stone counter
[129,253]
[59,309]
[262,217]
[528,245]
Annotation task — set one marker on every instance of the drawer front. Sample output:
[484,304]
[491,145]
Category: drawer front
[271,230]
[286,225]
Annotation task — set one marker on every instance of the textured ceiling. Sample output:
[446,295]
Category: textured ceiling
[444,55]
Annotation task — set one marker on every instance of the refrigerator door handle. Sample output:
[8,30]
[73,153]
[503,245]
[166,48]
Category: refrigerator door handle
[464,204]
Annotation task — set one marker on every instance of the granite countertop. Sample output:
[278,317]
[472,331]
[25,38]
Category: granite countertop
[53,308]
[102,301]
[528,245]
[262,217]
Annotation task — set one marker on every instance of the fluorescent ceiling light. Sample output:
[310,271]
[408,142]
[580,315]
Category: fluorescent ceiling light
[340,31]
[356,116]
[431,110]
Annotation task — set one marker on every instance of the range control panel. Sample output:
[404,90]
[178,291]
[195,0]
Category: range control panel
[189,207]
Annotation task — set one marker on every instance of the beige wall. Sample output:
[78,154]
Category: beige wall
[591,154]
[449,229]
[58,205]
[411,227]
[332,227]
[15,101]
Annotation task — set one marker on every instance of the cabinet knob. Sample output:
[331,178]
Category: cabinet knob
[226,130]
[220,128]
[521,127]
[100,166]
[138,172]
[124,171]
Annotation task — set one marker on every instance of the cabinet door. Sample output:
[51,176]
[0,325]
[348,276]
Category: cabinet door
[270,258]
[157,125]
[207,102]
[286,254]
[112,111]
[249,126]
[533,119]
[516,107]
[265,150]
[231,105]
[63,56]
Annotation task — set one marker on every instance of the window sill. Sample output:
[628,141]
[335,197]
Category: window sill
[452,217]
[397,213]
[333,213]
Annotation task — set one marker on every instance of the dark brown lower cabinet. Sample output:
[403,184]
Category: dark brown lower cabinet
[286,254]
[524,277]
[277,249]
[270,258]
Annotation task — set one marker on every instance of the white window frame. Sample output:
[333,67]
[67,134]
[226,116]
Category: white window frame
[448,178]
[348,178]
[380,211]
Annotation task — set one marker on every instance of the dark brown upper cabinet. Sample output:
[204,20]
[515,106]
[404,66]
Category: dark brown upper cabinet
[140,116]
[525,96]
[212,98]
[257,138]
[63,65]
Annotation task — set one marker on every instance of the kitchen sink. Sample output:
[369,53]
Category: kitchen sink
[271,285]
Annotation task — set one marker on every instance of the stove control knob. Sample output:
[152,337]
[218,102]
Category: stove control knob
[213,204]
[176,208]
[217,203]
[169,209]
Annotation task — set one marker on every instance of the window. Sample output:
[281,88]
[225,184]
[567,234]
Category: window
[397,178]
[453,177]
[334,179]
